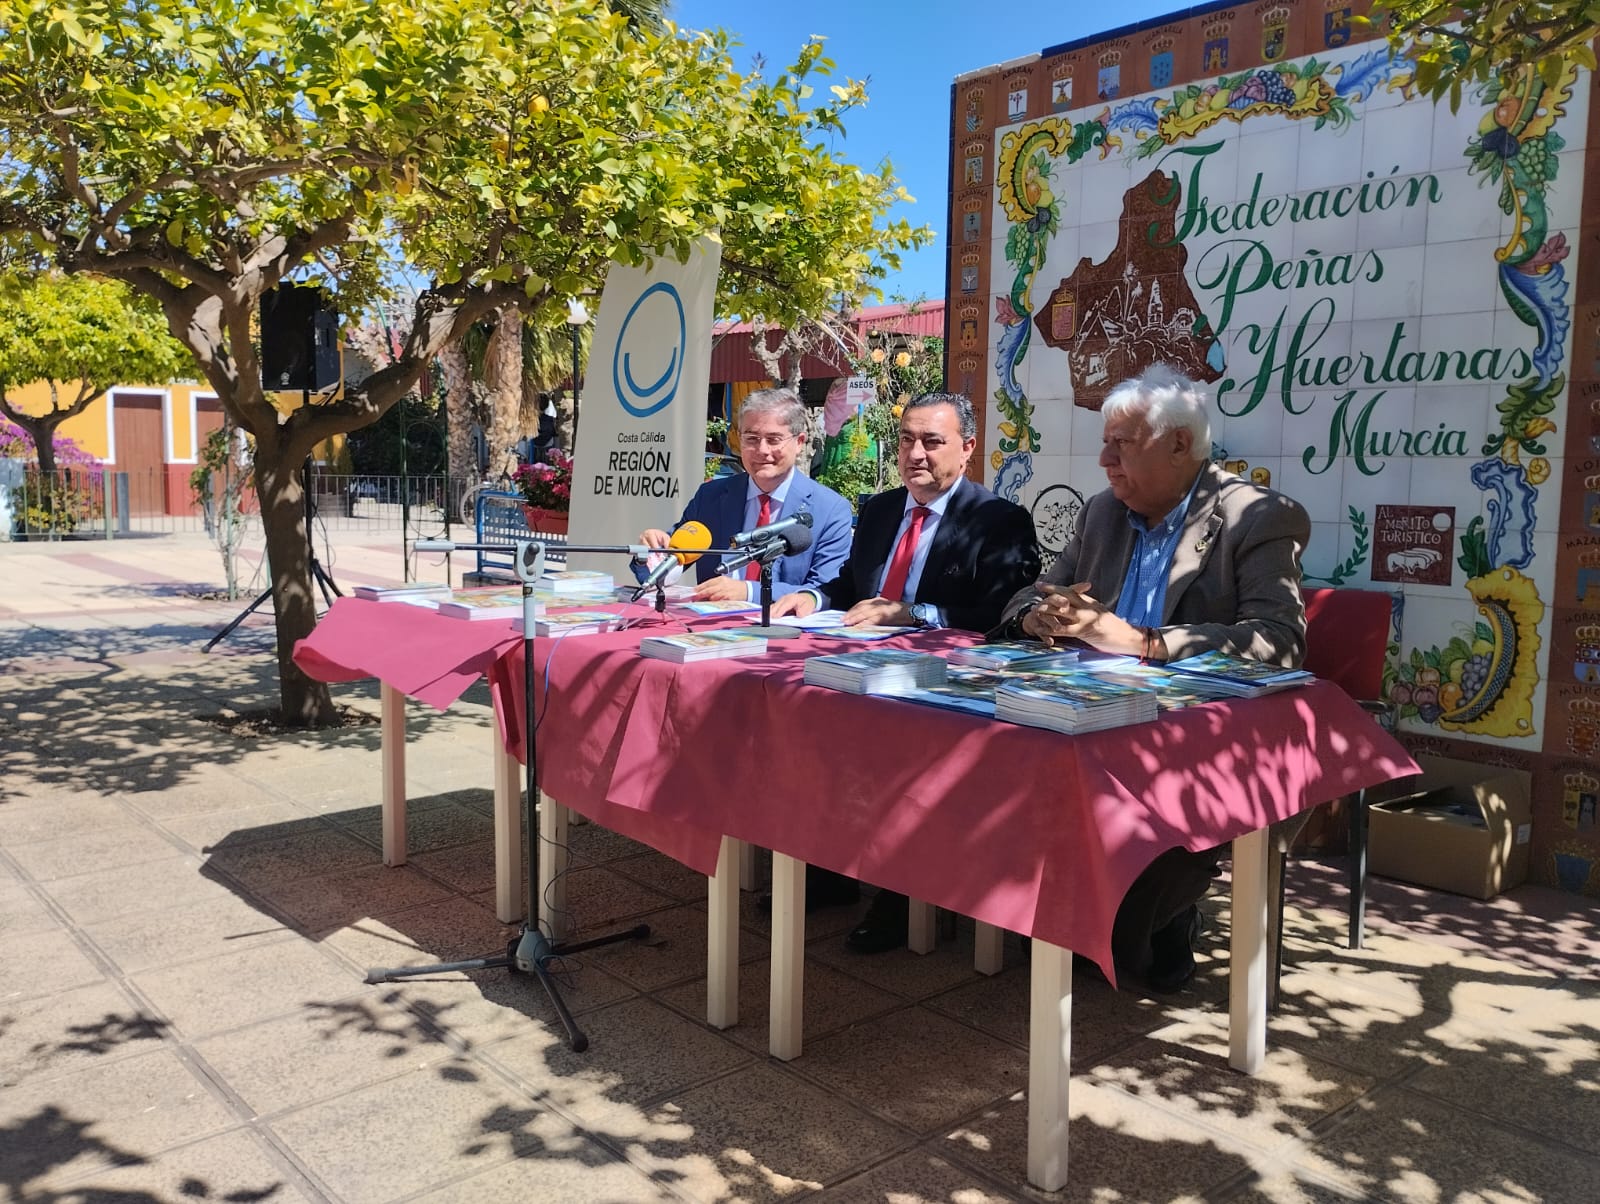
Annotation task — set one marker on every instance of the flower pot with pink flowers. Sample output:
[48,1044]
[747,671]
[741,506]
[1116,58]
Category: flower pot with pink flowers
[546,488]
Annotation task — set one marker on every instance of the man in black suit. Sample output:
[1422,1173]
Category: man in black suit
[942,551]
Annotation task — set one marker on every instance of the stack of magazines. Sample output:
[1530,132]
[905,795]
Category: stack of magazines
[498,602]
[1238,677]
[1071,704]
[1173,691]
[417,593]
[964,689]
[701,646]
[573,622]
[1016,658]
[875,671]
[587,582]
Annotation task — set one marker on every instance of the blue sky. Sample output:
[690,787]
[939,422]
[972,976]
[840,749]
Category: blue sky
[909,53]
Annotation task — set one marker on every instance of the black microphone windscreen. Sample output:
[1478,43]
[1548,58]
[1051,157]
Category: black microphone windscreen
[796,539]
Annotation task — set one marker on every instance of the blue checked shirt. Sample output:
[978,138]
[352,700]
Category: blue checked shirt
[1144,590]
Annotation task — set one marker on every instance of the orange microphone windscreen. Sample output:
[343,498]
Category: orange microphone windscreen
[692,535]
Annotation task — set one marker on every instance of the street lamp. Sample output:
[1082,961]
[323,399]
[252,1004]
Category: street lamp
[577,318]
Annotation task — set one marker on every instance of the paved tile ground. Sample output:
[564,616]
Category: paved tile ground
[186,915]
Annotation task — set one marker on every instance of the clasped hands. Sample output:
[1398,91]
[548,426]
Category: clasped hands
[1068,612]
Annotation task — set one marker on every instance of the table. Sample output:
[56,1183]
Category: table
[413,651]
[1020,828]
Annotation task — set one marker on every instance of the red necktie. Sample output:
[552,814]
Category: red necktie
[894,583]
[763,517]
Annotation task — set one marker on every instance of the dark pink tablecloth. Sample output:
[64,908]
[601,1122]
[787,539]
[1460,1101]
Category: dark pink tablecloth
[1032,831]
[1035,832]
[412,648]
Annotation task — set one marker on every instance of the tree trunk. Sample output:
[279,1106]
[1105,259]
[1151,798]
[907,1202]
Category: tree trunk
[502,372]
[47,454]
[43,433]
[280,484]
[458,413]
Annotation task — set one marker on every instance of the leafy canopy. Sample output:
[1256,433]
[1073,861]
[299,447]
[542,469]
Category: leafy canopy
[1464,43]
[83,330]
[515,145]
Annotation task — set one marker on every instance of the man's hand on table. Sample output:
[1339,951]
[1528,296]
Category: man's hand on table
[799,604]
[723,589]
[879,612]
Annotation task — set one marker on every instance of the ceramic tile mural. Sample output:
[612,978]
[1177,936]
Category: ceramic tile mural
[1381,298]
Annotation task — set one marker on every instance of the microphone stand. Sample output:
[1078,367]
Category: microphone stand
[530,951]
[766,552]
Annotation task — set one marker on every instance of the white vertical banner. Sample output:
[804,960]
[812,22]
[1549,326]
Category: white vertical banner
[642,412]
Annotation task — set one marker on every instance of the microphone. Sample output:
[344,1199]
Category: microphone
[785,541]
[803,519]
[691,537]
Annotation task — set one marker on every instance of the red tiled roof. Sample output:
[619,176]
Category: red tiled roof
[732,358]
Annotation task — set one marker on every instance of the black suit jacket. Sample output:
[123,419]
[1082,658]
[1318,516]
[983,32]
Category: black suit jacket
[984,550]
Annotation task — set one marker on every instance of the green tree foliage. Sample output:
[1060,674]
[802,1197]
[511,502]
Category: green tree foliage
[79,335]
[502,150]
[862,457]
[1466,43]
[219,483]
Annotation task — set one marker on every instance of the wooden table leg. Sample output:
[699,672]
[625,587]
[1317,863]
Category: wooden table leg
[555,921]
[1247,970]
[788,956]
[1049,1064]
[988,952]
[509,906]
[747,866]
[393,729]
[919,926]
[722,953]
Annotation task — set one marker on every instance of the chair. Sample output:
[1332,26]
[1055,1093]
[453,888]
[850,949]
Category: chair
[1347,643]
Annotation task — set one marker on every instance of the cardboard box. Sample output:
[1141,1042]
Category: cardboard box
[1460,827]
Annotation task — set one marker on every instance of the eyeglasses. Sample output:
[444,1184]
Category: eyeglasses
[770,442]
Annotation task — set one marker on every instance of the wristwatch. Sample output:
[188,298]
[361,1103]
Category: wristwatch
[924,614]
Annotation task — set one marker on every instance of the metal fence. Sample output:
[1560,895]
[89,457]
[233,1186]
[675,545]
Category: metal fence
[98,503]
[65,502]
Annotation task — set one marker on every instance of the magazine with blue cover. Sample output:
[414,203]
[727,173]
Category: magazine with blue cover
[1242,675]
[1020,657]
[965,688]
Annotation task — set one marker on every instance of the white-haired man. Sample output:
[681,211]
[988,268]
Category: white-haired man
[1177,557]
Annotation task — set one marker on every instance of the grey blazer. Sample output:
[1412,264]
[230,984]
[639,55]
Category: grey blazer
[1235,582]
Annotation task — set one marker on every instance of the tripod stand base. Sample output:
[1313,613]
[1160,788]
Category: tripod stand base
[319,575]
[530,952]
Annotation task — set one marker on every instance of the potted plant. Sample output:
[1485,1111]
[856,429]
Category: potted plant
[546,489]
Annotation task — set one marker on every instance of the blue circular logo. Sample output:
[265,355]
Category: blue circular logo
[642,400]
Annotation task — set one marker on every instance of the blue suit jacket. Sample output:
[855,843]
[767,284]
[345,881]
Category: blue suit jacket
[719,504]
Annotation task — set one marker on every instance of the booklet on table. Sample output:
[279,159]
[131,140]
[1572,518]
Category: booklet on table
[701,646]
[875,670]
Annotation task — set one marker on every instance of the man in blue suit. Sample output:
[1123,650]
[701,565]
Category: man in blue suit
[772,437]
